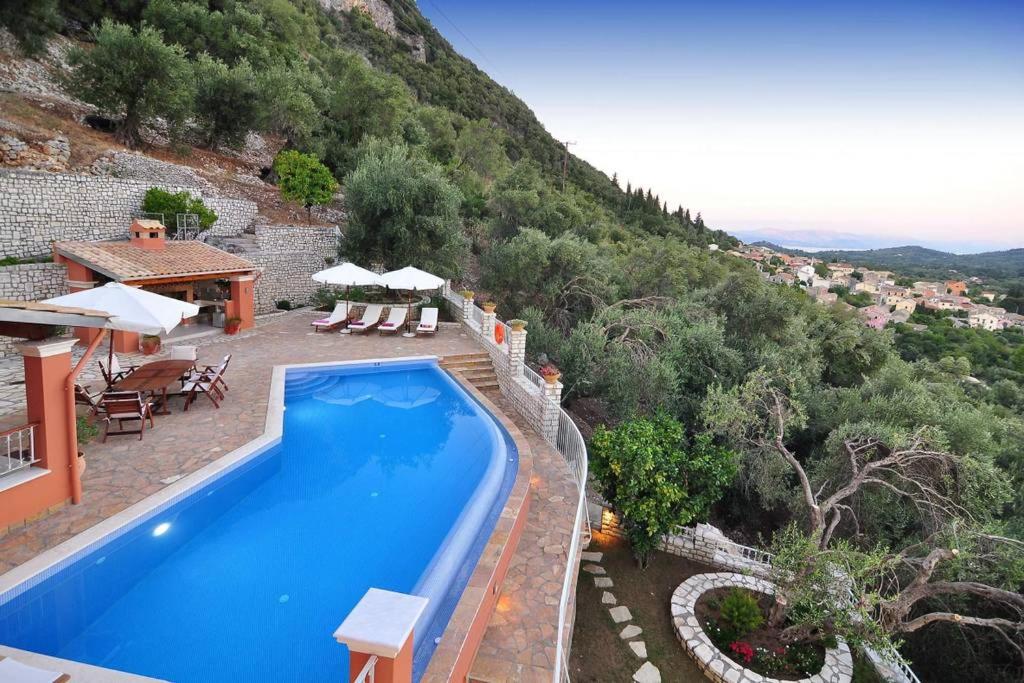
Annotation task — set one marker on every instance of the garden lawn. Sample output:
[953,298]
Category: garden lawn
[598,654]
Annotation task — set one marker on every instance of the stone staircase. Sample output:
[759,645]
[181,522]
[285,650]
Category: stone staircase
[476,367]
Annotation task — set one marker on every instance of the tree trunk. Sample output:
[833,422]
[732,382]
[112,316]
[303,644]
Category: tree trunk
[780,609]
[128,130]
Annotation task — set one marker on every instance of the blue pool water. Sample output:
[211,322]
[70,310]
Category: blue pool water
[387,475]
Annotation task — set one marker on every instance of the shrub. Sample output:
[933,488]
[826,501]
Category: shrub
[302,178]
[171,204]
[85,430]
[741,613]
[284,305]
[31,22]
[649,476]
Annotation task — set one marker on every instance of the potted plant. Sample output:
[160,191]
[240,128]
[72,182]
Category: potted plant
[150,344]
[550,373]
[489,306]
[232,325]
[86,432]
[517,324]
[467,293]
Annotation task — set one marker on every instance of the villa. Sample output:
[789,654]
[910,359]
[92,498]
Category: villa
[328,464]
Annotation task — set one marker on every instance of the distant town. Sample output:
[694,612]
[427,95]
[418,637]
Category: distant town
[881,297]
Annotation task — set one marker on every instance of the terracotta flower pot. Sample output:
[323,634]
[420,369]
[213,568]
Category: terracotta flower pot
[232,328]
[517,325]
[552,378]
[468,294]
[489,308]
[150,345]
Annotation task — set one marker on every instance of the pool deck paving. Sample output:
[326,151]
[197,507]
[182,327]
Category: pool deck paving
[519,643]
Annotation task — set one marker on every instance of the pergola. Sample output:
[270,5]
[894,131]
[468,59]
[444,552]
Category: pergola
[175,268]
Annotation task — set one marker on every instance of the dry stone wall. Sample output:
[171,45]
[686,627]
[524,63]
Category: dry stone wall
[37,208]
[30,282]
[318,240]
[286,275]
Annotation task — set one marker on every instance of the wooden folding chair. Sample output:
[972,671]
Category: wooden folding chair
[122,406]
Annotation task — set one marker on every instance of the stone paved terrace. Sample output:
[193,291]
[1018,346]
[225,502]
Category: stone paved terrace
[519,644]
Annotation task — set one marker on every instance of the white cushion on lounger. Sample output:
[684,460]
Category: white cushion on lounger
[12,671]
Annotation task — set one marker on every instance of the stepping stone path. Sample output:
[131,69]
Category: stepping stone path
[648,673]
[620,614]
[631,631]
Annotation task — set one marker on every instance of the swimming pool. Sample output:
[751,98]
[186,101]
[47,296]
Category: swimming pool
[386,475]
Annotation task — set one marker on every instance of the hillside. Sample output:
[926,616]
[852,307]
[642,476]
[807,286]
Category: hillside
[914,261]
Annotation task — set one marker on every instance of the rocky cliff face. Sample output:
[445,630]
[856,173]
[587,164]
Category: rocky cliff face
[382,16]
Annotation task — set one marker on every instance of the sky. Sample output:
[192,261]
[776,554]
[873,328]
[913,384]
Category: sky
[898,122]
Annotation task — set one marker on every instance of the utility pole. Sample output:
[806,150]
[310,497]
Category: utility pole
[565,162]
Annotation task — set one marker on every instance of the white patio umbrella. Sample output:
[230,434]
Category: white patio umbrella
[411,280]
[132,309]
[348,275]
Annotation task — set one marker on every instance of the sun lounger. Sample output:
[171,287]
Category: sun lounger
[338,316]
[428,321]
[396,318]
[370,319]
[14,671]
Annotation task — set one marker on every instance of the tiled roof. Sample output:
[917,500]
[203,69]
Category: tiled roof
[122,261]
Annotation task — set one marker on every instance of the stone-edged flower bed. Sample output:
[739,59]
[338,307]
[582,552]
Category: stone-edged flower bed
[718,665]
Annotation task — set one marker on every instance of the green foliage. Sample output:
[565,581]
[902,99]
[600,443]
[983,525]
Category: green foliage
[302,178]
[821,269]
[85,430]
[32,22]
[403,211]
[290,101]
[227,104]
[741,613]
[133,75]
[158,200]
[654,481]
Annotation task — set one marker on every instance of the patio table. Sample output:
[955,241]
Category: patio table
[155,377]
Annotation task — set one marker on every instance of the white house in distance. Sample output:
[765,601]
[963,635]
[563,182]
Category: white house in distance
[805,273]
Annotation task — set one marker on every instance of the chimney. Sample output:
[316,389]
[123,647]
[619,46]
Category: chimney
[148,234]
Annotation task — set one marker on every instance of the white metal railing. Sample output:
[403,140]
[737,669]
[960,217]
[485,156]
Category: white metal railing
[573,449]
[745,551]
[366,674]
[477,316]
[532,376]
[17,448]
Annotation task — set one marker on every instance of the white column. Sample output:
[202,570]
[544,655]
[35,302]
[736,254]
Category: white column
[552,411]
[467,310]
[516,352]
[487,326]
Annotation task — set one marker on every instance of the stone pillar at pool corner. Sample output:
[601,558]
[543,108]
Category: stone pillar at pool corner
[381,624]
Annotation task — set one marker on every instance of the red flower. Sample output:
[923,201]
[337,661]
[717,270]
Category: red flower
[742,650]
[781,651]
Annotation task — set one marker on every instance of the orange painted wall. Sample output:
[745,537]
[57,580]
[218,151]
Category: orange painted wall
[483,616]
[47,405]
[243,301]
[125,342]
[79,273]
[397,670]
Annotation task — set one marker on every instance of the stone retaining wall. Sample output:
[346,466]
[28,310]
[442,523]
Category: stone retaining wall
[38,208]
[310,239]
[286,275]
[30,282]
[715,664]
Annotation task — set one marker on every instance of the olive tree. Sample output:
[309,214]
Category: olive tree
[133,75]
